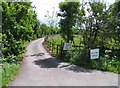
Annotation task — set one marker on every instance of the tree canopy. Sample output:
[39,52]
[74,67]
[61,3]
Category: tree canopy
[68,10]
[19,24]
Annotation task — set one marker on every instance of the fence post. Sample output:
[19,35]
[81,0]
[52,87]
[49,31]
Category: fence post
[52,46]
[57,49]
[61,50]
[79,47]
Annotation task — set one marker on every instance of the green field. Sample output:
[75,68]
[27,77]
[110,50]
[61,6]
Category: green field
[58,40]
[55,41]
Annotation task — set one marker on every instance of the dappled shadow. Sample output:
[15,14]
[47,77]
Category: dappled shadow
[47,63]
[36,54]
[56,63]
[78,69]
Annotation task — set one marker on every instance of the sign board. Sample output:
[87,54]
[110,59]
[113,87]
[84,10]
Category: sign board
[67,46]
[94,53]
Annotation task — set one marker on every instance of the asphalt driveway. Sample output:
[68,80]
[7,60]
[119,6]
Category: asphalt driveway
[41,69]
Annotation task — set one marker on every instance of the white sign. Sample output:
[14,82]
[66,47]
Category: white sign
[67,46]
[94,53]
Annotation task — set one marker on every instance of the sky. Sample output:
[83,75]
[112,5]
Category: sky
[42,6]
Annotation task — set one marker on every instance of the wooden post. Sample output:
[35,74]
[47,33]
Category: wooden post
[57,49]
[52,46]
[61,51]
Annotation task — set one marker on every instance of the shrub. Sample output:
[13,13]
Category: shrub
[104,63]
[107,64]
[79,57]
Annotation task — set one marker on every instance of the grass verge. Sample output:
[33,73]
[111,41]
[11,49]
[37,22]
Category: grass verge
[0,76]
[9,71]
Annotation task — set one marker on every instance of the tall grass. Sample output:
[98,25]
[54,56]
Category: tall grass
[0,76]
[9,71]
[58,39]
[82,59]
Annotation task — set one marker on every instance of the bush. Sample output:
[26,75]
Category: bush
[107,64]
[10,59]
[104,63]
[78,57]
[19,25]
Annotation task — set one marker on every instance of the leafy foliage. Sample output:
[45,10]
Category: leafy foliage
[69,10]
[99,28]
[9,71]
[81,58]
[20,24]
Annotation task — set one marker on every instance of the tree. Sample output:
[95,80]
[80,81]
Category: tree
[44,29]
[69,11]
[19,24]
[91,22]
[52,21]
[115,15]
[100,26]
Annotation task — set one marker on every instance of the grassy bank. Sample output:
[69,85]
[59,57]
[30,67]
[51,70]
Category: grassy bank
[9,71]
[0,76]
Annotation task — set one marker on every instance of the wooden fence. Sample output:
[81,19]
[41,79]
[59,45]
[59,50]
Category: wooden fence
[58,48]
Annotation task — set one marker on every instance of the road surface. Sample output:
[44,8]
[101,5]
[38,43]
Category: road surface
[45,70]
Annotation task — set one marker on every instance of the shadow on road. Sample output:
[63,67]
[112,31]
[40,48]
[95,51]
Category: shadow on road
[36,54]
[47,63]
[56,63]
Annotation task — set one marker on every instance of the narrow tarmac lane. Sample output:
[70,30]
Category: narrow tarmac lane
[45,70]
